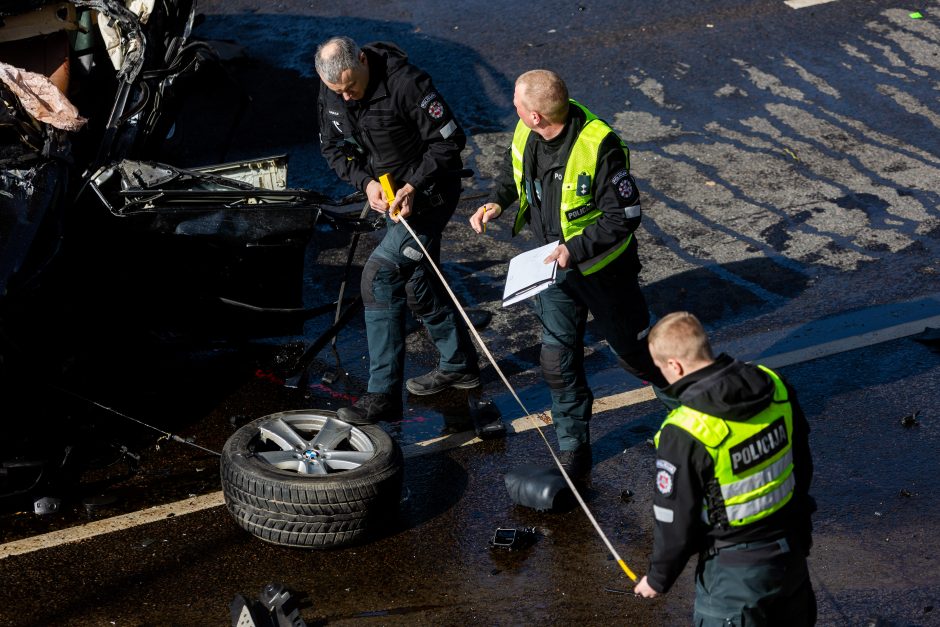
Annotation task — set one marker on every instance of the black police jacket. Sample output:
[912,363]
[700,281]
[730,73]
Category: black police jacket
[732,390]
[613,189]
[402,126]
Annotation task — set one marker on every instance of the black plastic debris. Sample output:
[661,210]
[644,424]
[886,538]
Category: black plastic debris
[99,502]
[274,608]
[513,539]
[910,420]
[539,487]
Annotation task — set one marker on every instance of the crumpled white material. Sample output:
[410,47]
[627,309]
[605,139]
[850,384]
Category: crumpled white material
[41,98]
[111,33]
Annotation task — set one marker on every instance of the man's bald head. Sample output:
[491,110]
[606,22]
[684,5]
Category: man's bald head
[680,336]
[545,92]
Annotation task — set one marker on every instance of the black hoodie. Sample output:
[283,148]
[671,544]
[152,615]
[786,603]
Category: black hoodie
[734,391]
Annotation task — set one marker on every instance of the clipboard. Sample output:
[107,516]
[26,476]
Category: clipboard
[528,274]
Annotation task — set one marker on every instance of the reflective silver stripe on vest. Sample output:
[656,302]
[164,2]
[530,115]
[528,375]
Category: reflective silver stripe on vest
[517,170]
[518,155]
[749,484]
[632,212]
[760,504]
[662,514]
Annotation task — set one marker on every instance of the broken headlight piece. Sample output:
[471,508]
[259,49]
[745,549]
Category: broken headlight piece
[513,539]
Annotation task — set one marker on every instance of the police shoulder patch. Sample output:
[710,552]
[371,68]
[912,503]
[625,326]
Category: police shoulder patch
[662,463]
[664,481]
[624,186]
[436,110]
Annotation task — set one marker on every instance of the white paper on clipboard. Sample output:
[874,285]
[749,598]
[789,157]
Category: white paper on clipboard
[528,274]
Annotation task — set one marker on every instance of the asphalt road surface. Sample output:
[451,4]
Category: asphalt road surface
[874,557]
[787,158]
[788,165]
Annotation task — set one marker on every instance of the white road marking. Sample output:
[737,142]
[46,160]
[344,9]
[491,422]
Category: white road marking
[443,443]
[850,343]
[802,4]
[108,525]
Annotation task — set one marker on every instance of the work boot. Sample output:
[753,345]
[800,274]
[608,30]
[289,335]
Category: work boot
[370,408]
[577,463]
[440,380]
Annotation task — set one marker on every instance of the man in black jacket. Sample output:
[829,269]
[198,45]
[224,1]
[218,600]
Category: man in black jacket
[381,115]
[570,173]
[733,470]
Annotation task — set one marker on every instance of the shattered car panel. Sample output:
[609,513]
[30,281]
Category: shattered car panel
[246,201]
[117,66]
[54,48]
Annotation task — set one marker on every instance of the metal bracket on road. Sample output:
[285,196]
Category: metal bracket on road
[274,608]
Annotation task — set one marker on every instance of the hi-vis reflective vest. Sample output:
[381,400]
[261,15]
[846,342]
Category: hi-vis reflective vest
[577,204]
[753,460]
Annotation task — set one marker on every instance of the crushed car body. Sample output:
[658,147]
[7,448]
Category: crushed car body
[91,91]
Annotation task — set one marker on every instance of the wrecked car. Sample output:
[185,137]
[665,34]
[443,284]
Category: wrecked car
[90,93]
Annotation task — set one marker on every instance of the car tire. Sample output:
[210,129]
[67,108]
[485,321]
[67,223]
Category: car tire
[304,478]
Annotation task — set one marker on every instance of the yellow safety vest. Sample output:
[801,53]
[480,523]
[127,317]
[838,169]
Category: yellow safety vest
[581,161]
[753,460]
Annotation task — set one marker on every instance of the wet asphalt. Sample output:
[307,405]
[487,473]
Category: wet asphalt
[788,165]
[874,556]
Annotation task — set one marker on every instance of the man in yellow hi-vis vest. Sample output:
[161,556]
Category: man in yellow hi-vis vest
[571,175]
[733,470]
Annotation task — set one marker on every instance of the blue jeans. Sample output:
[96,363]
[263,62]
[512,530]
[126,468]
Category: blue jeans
[395,277]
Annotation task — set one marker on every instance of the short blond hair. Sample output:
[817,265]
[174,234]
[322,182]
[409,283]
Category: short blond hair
[546,93]
[681,336]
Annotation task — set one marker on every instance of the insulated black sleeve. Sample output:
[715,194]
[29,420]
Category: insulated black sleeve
[506,192]
[351,170]
[803,473]
[802,458]
[435,123]
[616,195]
[678,530]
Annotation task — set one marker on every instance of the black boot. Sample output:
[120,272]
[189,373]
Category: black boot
[577,463]
[440,380]
[370,408]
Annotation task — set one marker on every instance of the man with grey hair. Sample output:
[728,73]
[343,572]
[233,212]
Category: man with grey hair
[570,173]
[381,115]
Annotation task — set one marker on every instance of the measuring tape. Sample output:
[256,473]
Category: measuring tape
[385,180]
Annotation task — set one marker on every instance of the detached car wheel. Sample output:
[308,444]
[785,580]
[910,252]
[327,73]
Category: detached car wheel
[303,478]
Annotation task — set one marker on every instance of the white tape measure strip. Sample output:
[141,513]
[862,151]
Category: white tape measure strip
[512,390]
